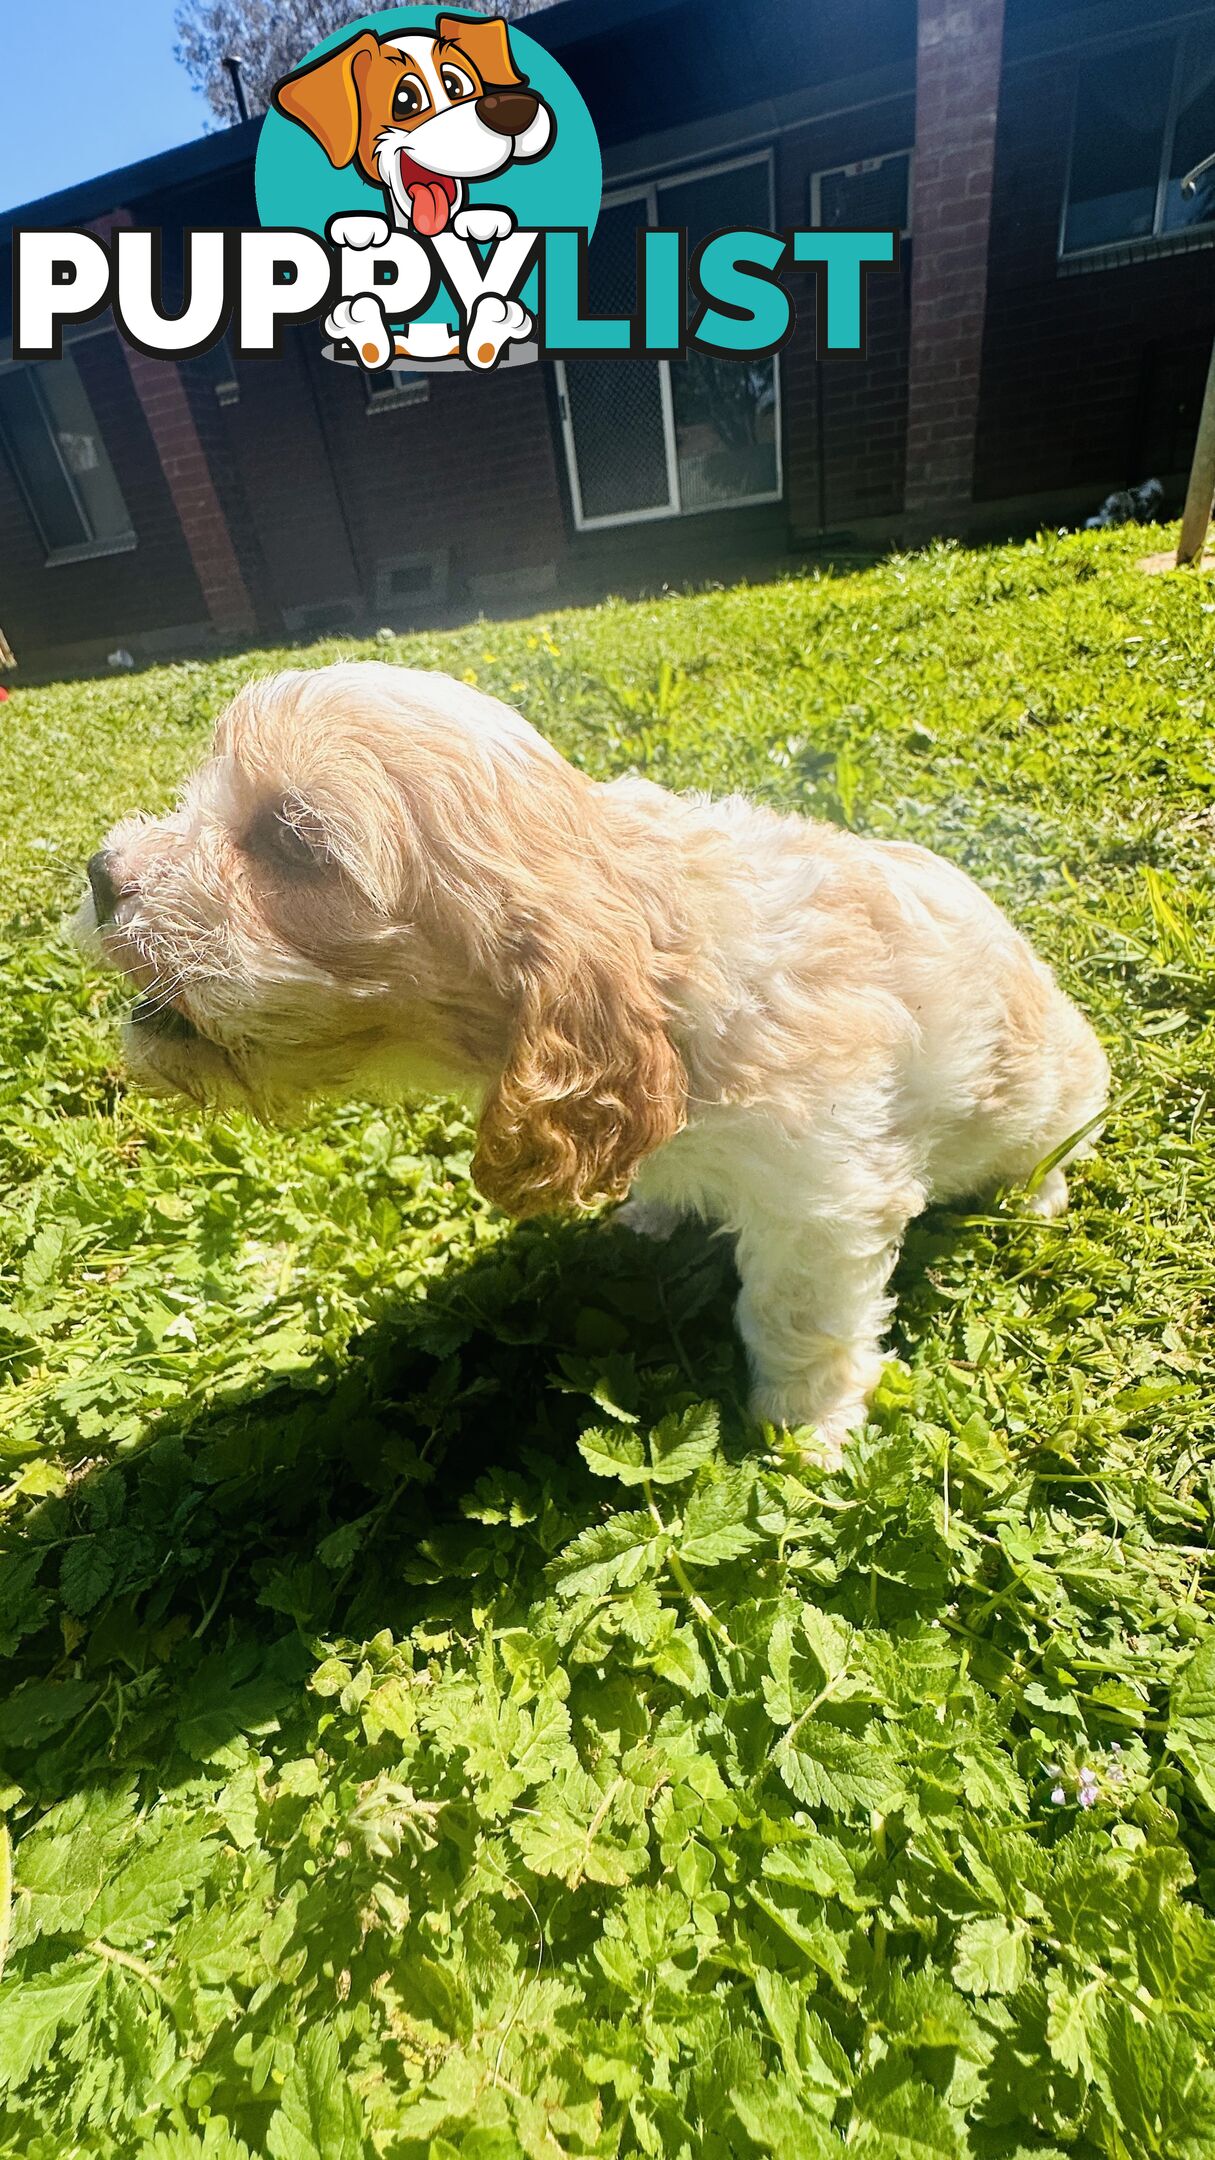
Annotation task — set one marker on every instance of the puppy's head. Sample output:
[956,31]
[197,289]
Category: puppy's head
[382,880]
[419,115]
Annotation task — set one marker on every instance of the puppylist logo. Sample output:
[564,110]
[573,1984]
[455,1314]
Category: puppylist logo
[431,151]
[428,184]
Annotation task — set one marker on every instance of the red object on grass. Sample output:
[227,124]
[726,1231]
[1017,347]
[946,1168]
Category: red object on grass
[3,695]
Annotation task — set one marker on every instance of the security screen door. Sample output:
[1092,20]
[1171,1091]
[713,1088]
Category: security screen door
[658,438]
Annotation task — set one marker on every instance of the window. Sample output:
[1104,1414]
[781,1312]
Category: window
[1145,114]
[218,368]
[667,438]
[387,390]
[48,427]
[873,195]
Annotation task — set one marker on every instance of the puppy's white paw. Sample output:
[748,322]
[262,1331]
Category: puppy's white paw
[494,324]
[648,1218]
[821,1448]
[359,229]
[362,321]
[822,1432]
[1050,1199]
[482,222]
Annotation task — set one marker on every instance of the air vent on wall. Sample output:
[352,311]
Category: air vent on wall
[408,584]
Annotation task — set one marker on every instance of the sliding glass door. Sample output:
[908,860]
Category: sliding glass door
[658,438]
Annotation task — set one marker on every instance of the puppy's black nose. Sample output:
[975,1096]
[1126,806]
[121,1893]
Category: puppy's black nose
[508,112]
[102,886]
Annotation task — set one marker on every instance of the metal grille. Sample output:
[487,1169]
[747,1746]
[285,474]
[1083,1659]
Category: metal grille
[646,437]
[616,405]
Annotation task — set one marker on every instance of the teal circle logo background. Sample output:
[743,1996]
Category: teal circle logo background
[296,185]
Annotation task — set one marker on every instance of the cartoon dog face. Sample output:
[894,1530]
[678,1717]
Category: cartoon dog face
[421,115]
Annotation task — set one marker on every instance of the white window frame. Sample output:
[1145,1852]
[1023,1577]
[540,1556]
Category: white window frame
[647,192]
[92,550]
[864,165]
[1159,237]
[392,392]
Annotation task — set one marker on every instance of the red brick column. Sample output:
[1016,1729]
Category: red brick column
[183,461]
[166,408]
[957,92]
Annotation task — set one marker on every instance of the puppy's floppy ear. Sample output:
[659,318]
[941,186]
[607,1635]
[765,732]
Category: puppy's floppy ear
[484,40]
[593,1082]
[324,97]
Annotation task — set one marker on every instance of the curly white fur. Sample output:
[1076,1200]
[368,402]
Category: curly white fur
[384,879]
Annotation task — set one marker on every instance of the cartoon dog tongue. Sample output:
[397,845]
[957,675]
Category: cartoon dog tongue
[431,196]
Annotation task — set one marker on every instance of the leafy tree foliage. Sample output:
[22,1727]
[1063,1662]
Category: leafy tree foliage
[270,37]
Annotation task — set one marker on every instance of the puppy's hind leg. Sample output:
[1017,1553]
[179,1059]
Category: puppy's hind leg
[812,1311]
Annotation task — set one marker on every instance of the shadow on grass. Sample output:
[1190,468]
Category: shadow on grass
[173,1601]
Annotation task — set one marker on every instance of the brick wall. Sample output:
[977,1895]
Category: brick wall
[217,442]
[334,489]
[287,480]
[1089,381]
[844,419]
[957,92]
[113,597]
[166,407]
[472,470]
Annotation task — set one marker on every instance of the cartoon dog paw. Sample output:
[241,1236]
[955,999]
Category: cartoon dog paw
[359,230]
[494,324]
[483,221]
[362,321]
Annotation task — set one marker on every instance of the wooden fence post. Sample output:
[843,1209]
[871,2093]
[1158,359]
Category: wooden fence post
[1201,491]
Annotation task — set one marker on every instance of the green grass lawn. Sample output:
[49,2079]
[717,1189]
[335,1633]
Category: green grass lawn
[431,1724]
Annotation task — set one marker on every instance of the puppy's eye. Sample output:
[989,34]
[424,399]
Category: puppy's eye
[409,99]
[291,841]
[456,83]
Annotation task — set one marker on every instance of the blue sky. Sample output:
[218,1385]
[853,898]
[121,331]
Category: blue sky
[128,95]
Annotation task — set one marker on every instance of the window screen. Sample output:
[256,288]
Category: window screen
[872,196]
[616,408]
[725,410]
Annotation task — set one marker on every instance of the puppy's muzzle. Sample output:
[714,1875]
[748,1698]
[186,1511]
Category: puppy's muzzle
[508,112]
[104,887]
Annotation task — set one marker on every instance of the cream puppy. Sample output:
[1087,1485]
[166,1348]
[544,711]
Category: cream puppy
[383,881]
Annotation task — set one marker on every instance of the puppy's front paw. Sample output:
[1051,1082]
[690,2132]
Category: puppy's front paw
[359,229]
[648,1218]
[1049,1200]
[822,1429]
[483,222]
[362,321]
[493,325]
